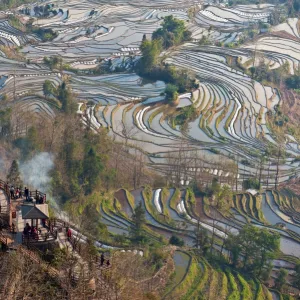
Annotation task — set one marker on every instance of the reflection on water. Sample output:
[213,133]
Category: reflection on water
[181,261]
[289,247]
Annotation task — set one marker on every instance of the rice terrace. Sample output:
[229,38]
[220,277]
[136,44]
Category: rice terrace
[166,135]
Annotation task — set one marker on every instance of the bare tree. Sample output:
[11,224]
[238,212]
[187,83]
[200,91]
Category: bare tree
[128,133]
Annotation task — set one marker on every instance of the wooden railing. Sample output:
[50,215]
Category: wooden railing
[3,239]
[35,194]
[39,237]
[5,186]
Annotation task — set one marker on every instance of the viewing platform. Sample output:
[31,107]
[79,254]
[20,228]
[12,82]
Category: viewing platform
[25,219]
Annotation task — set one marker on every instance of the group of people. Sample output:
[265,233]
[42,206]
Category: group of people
[30,231]
[16,193]
[102,260]
[40,199]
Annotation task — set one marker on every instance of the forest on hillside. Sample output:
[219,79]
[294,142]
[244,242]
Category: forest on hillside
[162,140]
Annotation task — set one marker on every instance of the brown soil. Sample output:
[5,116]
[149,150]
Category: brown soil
[294,186]
[121,196]
[199,208]
[283,34]
[291,105]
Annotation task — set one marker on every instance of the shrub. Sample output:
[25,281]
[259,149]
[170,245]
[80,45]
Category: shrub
[245,162]
[187,114]
[46,34]
[157,257]
[293,82]
[172,32]
[251,183]
[171,92]
[175,240]
[215,151]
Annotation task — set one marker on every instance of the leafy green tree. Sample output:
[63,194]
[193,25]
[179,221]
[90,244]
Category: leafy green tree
[150,52]
[81,163]
[175,240]
[266,272]
[48,88]
[223,198]
[268,248]
[172,33]
[201,239]
[70,154]
[234,248]
[66,98]
[280,281]
[5,123]
[205,41]
[186,114]
[293,82]
[247,238]
[139,221]
[92,167]
[53,61]
[171,92]
[46,34]
[256,246]
[13,176]
[214,188]
[251,183]
[297,276]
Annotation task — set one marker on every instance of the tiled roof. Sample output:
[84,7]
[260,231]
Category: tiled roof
[38,211]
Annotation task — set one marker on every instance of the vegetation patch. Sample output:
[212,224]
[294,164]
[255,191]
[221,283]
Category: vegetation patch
[175,199]
[130,198]
[172,33]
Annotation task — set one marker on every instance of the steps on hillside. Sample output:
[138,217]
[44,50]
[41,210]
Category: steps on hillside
[3,281]
[6,237]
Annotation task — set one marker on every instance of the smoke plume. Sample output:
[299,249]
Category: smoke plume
[35,172]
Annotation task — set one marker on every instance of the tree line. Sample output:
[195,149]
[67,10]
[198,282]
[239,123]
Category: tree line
[172,33]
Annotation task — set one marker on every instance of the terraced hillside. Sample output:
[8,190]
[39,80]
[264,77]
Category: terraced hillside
[226,128]
[230,120]
[170,212]
[204,282]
